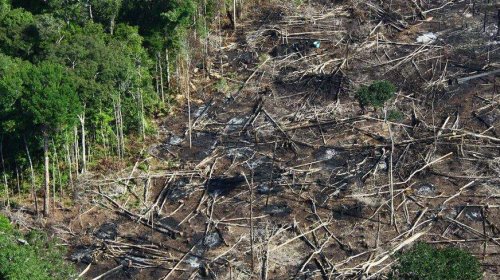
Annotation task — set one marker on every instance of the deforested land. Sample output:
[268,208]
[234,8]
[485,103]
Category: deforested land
[249,139]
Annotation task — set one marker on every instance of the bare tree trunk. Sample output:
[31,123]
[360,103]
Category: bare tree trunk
[46,196]
[188,91]
[112,25]
[53,184]
[7,205]
[205,42]
[234,14]
[141,106]
[70,172]
[104,141]
[157,76]
[57,171]
[119,127]
[168,68]
[162,93]
[76,158]
[18,182]
[90,10]
[84,144]
[33,188]
[89,150]
[143,120]
[122,138]
[117,133]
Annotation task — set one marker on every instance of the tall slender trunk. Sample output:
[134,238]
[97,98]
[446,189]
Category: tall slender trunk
[7,205]
[188,91]
[103,139]
[84,144]
[57,171]
[162,93]
[168,68]
[70,171]
[117,125]
[143,119]
[33,188]
[18,182]
[76,158]
[141,106]
[205,42]
[46,196]
[177,73]
[157,76]
[234,14]
[112,25]
[89,150]
[54,181]
[122,138]
[90,10]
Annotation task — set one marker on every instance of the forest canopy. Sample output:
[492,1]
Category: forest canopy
[78,79]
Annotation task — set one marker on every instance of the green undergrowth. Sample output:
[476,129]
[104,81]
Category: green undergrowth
[30,256]
[376,94]
[425,262]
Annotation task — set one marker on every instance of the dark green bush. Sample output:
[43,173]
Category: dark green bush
[376,94]
[395,115]
[424,262]
[32,256]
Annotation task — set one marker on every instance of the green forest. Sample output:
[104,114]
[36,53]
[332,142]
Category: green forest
[83,80]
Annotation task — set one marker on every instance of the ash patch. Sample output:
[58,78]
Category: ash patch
[83,255]
[425,189]
[107,231]
[223,186]
[302,47]
[331,158]
[203,143]
[266,188]
[212,240]
[472,213]
[262,168]
[175,140]
[179,190]
[490,118]
[348,211]
[278,210]
[202,243]
[169,222]
[235,124]
[240,153]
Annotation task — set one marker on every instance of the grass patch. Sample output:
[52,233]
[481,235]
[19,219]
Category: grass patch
[424,261]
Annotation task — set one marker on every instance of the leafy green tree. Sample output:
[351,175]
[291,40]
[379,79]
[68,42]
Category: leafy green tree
[376,94]
[49,30]
[4,8]
[50,104]
[426,262]
[17,32]
[11,88]
[178,19]
[71,11]
[106,11]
